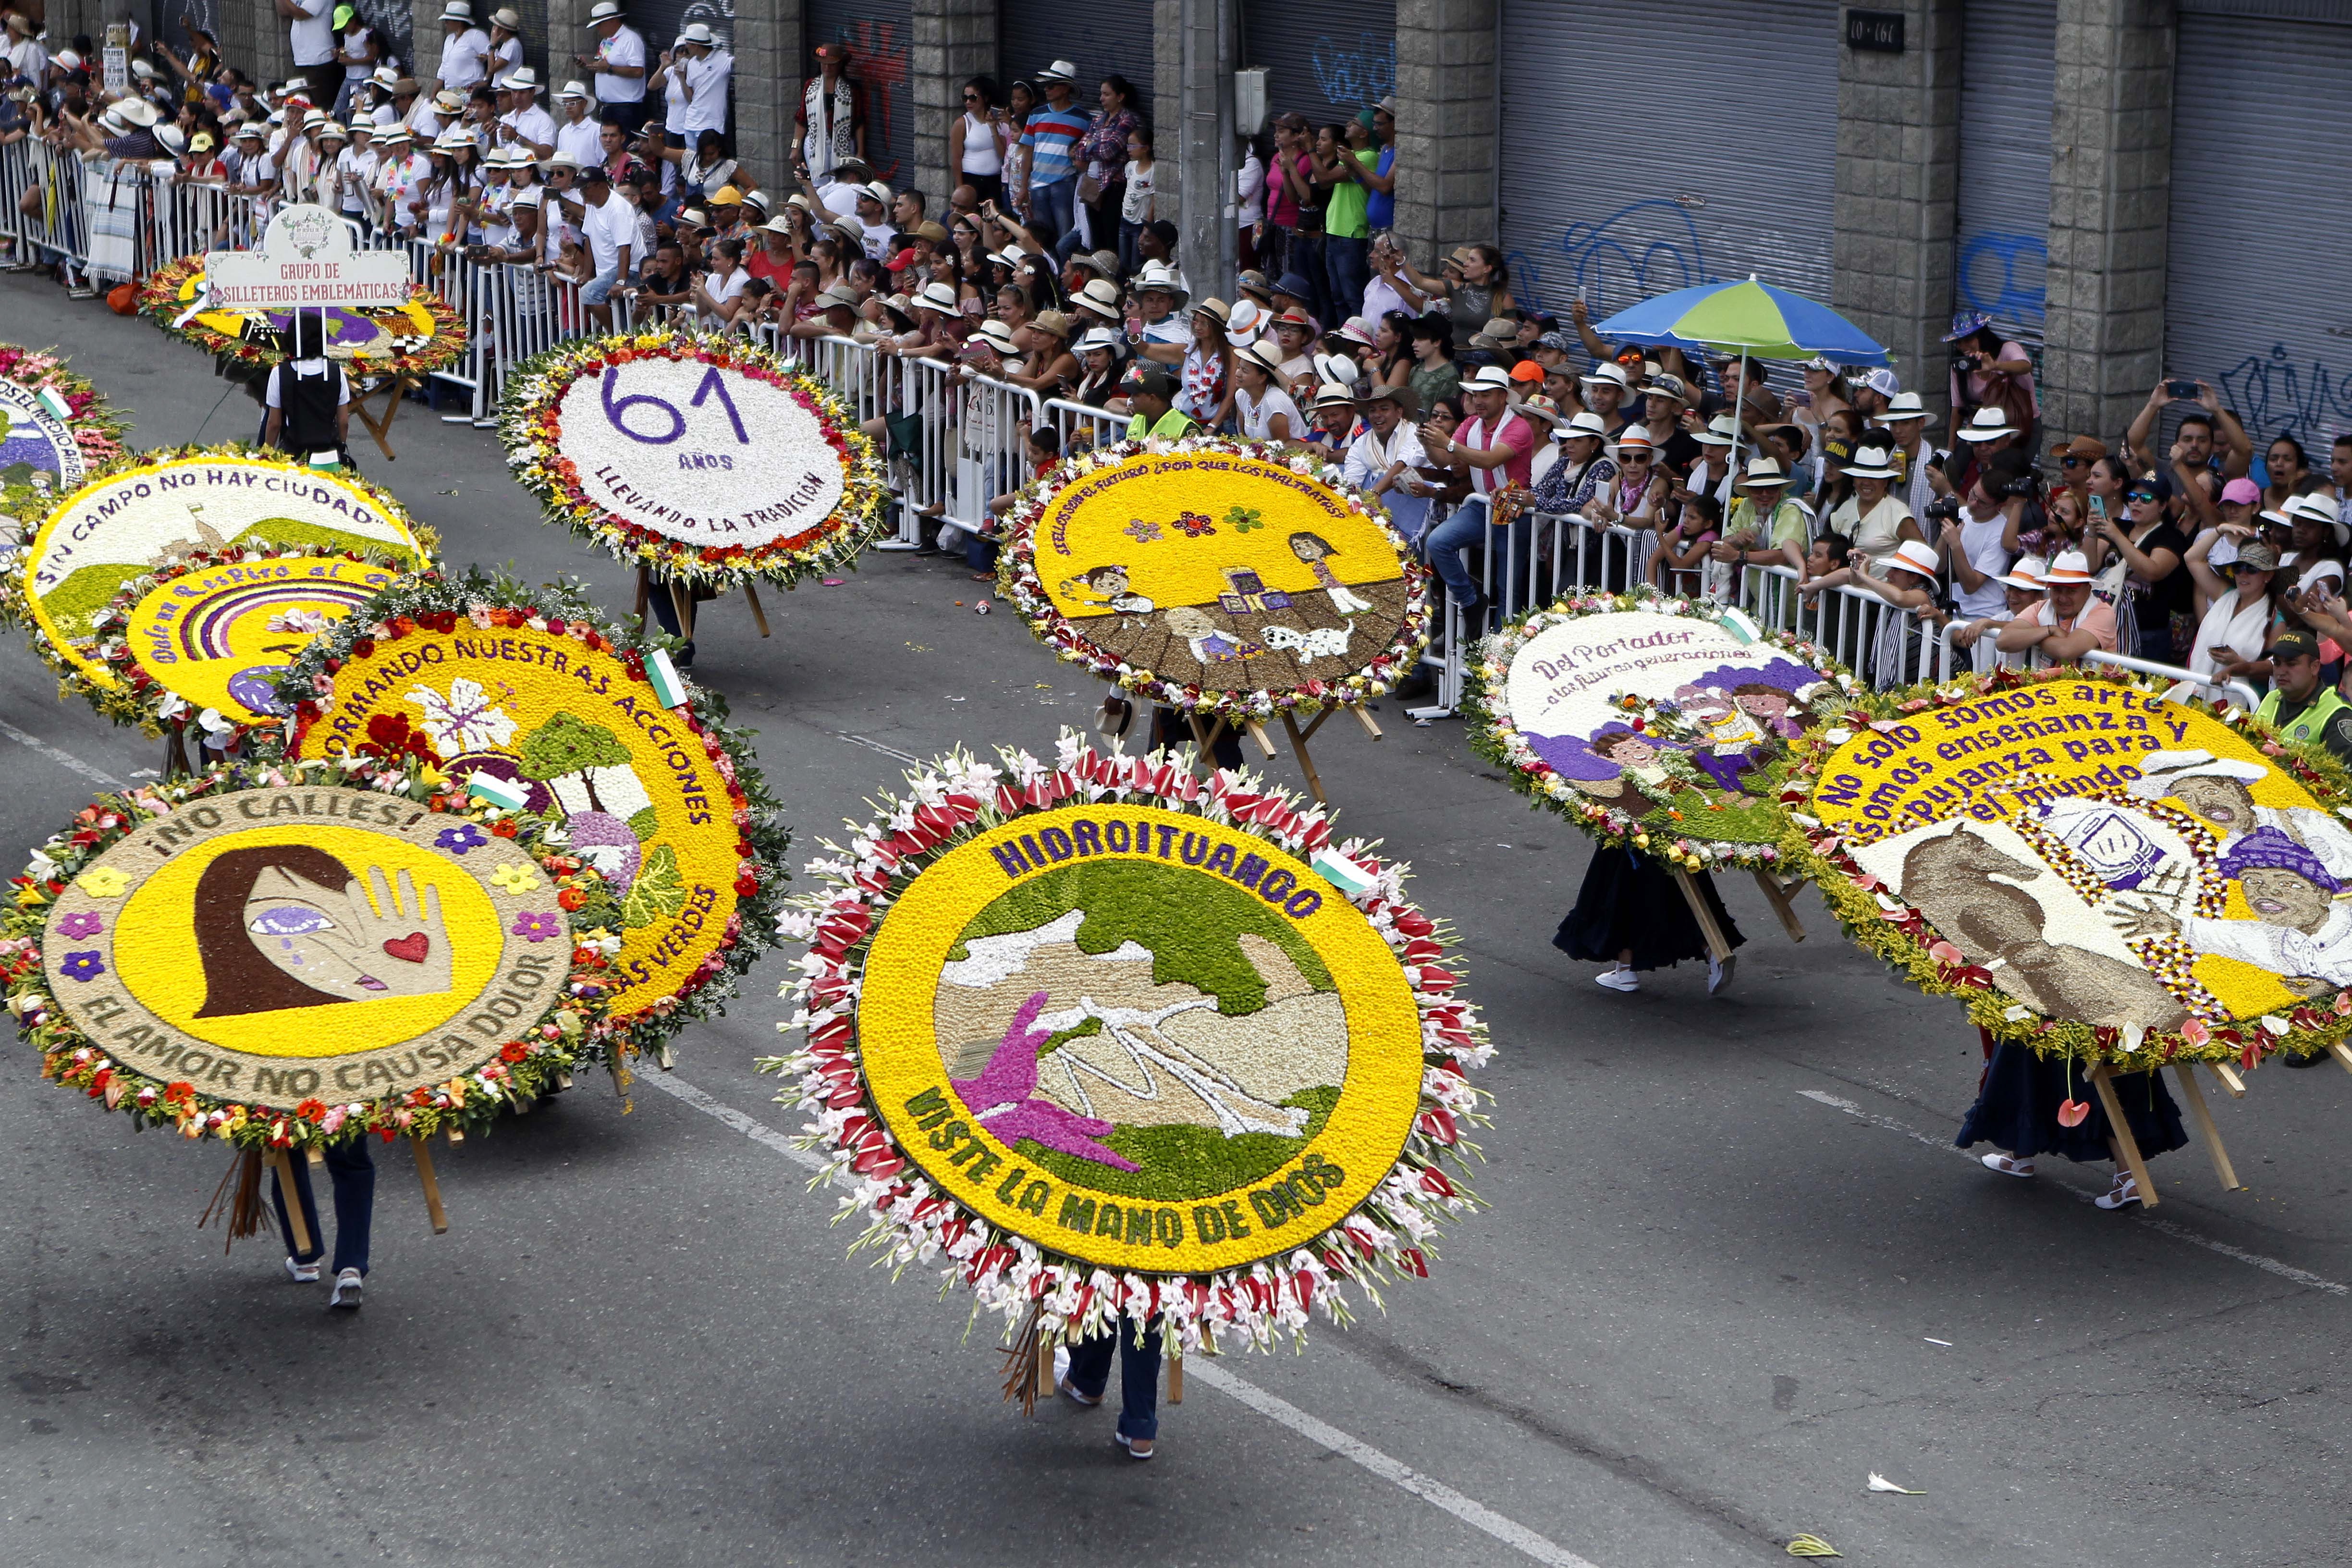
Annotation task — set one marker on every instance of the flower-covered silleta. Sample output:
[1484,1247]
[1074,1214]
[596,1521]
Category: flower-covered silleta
[404,340]
[705,460]
[1100,1035]
[1218,576]
[279,956]
[2097,871]
[1649,721]
[528,694]
[60,429]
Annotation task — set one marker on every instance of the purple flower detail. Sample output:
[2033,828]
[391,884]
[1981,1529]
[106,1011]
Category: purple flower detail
[80,927]
[460,838]
[537,928]
[83,966]
[1004,1098]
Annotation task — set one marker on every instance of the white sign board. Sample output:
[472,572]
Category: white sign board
[114,59]
[306,258]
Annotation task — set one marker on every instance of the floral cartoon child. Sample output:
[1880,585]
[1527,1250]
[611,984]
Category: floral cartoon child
[2300,932]
[1207,640]
[1316,552]
[1105,588]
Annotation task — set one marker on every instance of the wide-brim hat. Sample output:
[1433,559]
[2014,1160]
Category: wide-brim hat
[1216,309]
[1763,474]
[1903,406]
[698,33]
[395,133]
[459,11]
[938,297]
[1631,440]
[2027,573]
[2258,555]
[1583,423]
[507,16]
[1913,556]
[997,335]
[385,76]
[1722,430]
[1098,297]
[1331,394]
[1095,338]
[1054,322]
[602,10]
[1060,70]
[2070,568]
[1265,358]
[1298,318]
[1986,423]
[837,295]
[1253,282]
[572,89]
[1357,330]
[1500,332]
[449,102]
[405,87]
[1871,463]
[1490,378]
[1294,285]
[1967,323]
[1101,263]
[1608,373]
[1667,386]
[1407,400]
[522,79]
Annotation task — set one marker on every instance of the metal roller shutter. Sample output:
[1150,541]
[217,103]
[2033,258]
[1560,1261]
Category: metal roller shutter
[1323,59]
[2008,83]
[878,32]
[2258,288]
[1598,197]
[1116,39]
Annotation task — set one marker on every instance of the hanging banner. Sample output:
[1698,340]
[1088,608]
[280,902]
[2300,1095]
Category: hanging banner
[306,258]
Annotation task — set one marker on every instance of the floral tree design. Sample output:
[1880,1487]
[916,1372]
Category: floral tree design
[567,744]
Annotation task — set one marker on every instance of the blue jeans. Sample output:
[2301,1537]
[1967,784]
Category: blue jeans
[1347,270]
[1443,546]
[353,1170]
[1053,216]
[1138,1376]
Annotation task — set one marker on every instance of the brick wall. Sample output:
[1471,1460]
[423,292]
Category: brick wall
[1446,125]
[954,40]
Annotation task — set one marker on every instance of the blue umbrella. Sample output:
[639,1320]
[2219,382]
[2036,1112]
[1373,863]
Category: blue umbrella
[1752,319]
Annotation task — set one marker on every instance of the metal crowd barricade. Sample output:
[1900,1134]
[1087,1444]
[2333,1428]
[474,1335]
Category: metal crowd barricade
[991,432]
[2236,693]
[57,227]
[1084,425]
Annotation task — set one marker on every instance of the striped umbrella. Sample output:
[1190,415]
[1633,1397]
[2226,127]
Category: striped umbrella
[1750,319]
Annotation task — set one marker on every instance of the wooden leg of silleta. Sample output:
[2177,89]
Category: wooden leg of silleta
[2227,1076]
[1364,718]
[2119,1135]
[1176,1380]
[759,614]
[681,598]
[1779,898]
[1306,761]
[1044,1366]
[2203,1118]
[431,1186]
[378,425]
[1716,942]
[284,1169]
[1256,732]
[2342,1053]
[644,588]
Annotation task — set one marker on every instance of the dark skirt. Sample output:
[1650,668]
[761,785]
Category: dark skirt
[1628,900]
[2016,1109]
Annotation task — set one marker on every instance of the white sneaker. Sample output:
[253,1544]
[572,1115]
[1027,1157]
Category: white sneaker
[1618,979]
[1718,972]
[2006,1164]
[348,1286]
[303,1273]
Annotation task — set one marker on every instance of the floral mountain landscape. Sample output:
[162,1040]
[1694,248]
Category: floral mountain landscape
[1177,1024]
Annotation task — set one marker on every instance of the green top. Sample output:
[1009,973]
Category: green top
[2327,719]
[1168,426]
[1788,523]
[1432,381]
[1344,210]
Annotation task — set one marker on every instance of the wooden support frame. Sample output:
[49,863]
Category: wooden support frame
[2227,1075]
[300,1238]
[1778,897]
[1716,942]
[1205,736]
[681,599]
[394,389]
[2119,1133]
[2203,1121]
[1300,736]
[432,1185]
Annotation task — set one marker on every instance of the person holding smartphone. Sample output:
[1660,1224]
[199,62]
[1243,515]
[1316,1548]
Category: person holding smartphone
[1989,370]
[2210,436]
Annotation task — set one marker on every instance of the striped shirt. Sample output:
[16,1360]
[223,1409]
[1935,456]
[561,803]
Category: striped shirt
[1052,133]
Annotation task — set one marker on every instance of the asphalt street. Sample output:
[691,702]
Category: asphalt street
[1731,1266]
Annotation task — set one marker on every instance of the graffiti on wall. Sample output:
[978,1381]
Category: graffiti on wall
[1364,73]
[2003,276]
[2275,394]
[1646,249]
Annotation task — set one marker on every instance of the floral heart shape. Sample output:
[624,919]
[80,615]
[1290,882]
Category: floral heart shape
[412,948]
[2070,1114]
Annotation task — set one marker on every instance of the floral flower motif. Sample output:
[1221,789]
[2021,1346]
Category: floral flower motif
[1246,519]
[466,719]
[82,966]
[1193,524]
[535,928]
[81,926]
[515,877]
[457,840]
[1144,532]
[103,881]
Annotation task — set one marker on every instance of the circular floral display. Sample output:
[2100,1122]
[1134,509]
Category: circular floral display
[170,505]
[203,640]
[59,428]
[2100,873]
[529,691]
[1209,575]
[706,458]
[1107,1015]
[294,957]
[414,338]
[1649,721]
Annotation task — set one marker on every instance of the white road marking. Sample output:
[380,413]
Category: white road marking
[63,759]
[1469,1510]
[878,747]
[2168,1227]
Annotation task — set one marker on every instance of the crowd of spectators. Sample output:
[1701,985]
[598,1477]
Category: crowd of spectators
[1051,265]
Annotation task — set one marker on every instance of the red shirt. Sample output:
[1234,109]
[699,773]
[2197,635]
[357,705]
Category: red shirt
[1513,432]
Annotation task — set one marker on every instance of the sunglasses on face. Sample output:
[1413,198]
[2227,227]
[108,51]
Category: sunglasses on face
[2071,462]
[2136,496]
[1635,457]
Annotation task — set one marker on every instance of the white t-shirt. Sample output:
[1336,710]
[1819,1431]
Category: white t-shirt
[312,36]
[606,229]
[1981,542]
[423,121]
[304,367]
[981,156]
[1137,207]
[647,237]
[383,114]
[505,58]
[627,47]
[1257,420]
[709,77]
[464,60]
[355,38]
[358,171]
[532,124]
[584,139]
[29,59]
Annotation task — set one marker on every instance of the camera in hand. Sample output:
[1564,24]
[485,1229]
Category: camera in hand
[1944,509]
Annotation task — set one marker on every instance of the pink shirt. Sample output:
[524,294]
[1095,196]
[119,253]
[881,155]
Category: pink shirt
[1514,433]
[2098,618]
